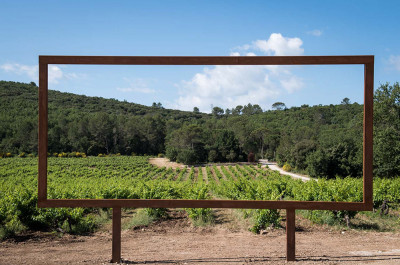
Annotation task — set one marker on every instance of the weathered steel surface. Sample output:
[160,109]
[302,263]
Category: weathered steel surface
[366,60]
[290,234]
[207,60]
[290,206]
[239,204]
[116,235]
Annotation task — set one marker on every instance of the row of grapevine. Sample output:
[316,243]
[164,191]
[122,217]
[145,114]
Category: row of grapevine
[134,178]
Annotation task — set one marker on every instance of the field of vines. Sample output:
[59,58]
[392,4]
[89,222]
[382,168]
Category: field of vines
[133,177]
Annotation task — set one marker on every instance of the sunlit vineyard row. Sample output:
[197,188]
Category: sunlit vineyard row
[133,177]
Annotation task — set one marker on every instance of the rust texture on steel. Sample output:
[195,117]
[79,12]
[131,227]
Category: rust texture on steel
[366,60]
[42,138]
[116,235]
[290,234]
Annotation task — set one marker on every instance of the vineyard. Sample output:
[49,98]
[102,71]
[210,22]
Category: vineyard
[133,177]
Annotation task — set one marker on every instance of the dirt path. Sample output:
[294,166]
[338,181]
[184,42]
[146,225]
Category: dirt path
[190,245]
[274,166]
[164,162]
[204,173]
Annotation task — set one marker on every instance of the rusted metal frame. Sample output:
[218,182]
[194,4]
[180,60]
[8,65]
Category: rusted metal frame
[177,203]
[368,135]
[290,234]
[42,132]
[207,60]
[290,206]
[367,60]
[116,235]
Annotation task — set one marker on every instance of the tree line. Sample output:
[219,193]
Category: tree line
[322,141]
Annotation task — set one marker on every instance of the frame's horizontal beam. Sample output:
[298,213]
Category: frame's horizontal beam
[366,60]
[155,203]
[207,60]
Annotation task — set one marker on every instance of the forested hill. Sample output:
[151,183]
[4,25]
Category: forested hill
[27,94]
[321,140]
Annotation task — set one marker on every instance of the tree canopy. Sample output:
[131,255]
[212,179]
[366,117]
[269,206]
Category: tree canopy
[322,141]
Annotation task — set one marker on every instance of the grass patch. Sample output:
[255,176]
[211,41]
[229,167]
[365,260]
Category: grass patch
[320,217]
[11,228]
[103,216]
[82,226]
[142,217]
[377,221]
[369,220]
[201,216]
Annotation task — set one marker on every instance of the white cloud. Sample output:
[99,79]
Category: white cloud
[55,73]
[227,86]
[315,32]
[292,84]
[136,85]
[394,61]
[279,45]
[20,69]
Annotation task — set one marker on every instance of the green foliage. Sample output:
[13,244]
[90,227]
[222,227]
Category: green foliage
[199,216]
[223,146]
[171,153]
[217,111]
[250,109]
[212,156]
[326,141]
[142,217]
[127,177]
[387,130]
[287,167]
[185,145]
[79,123]
[187,156]
[279,106]
[343,159]
[265,218]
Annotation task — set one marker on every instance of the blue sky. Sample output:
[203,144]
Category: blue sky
[246,28]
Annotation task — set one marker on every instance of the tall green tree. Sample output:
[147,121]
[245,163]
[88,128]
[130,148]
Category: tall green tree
[387,130]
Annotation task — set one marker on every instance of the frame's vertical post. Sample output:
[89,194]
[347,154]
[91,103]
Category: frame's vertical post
[290,235]
[116,235]
[368,133]
[42,132]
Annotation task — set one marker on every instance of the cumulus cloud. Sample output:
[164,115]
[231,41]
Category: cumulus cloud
[138,85]
[224,86]
[55,73]
[292,84]
[227,86]
[315,32]
[279,45]
[394,61]
[20,69]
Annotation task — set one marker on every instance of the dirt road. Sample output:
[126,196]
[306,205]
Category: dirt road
[208,246]
[273,166]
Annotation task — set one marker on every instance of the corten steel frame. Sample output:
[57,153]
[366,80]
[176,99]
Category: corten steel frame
[290,206]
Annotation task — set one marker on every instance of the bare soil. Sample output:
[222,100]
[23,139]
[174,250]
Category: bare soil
[177,241]
[274,166]
[164,162]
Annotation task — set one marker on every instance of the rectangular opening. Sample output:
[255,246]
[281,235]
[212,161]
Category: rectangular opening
[366,61]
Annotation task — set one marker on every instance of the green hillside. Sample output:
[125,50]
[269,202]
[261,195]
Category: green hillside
[322,141]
